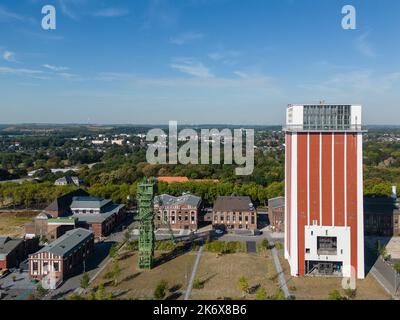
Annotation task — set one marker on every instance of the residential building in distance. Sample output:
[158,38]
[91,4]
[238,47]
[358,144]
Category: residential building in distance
[234,213]
[15,250]
[64,181]
[276,214]
[324,229]
[181,212]
[55,262]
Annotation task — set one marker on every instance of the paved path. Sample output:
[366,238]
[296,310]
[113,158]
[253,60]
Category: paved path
[193,275]
[279,270]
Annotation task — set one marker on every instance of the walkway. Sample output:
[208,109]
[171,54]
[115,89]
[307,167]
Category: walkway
[279,270]
[193,275]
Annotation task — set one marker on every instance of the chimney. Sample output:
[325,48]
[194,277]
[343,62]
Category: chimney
[394,192]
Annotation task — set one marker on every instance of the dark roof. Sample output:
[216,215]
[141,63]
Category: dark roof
[68,242]
[384,205]
[232,203]
[186,199]
[8,244]
[62,203]
[277,202]
[88,202]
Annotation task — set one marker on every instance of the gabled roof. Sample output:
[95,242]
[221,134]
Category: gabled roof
[186,199]
[68,242]
[277,202]
[62,203]
[8,244]
[232,203]
[88,202]
[172,179]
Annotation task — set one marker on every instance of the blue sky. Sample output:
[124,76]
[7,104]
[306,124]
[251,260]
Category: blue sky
[195,61]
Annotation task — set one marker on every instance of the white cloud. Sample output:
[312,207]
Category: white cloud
[9,56]
[112,12]
[54,68]
[193,68]
[186,37]
[8,15]
[22,72]
[364,46]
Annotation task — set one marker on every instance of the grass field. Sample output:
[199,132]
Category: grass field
[220,275]
[318,288]
[12,223]
[140,284]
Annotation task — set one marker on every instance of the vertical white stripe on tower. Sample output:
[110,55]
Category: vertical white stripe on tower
[308,178]
[333,179]
[360,209]
[345,179]
[294,262]
[286,197]
[320,179]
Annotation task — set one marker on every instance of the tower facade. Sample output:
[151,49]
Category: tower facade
[324,231]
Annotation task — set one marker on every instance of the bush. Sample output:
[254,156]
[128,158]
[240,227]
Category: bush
[261,294]
[218,246]
[335,295]
[278,245]
[265,244]
[160,290]
[198,284]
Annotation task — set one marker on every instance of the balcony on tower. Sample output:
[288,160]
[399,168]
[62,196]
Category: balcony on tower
[324,118]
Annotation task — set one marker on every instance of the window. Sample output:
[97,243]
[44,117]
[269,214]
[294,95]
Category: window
[56,266]
[307,250]
[327,245]
[35,266]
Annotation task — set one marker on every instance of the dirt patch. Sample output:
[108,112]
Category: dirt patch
[140,284]
[13,223]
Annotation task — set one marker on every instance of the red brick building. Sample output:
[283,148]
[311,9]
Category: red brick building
[55,262]
[14,251]
[235,213]
[181,212]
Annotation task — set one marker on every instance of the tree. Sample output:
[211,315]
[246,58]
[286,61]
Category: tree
[41,292]
[350,293]
[335,295]
[160,290]
[116,273]
[113,250]
[198,284]
[84,283]
[397,267]
[261,294]
[243,285]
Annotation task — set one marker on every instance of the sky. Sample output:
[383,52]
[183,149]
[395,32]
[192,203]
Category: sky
[195,61]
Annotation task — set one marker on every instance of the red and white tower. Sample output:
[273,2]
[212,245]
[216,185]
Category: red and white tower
[324,229]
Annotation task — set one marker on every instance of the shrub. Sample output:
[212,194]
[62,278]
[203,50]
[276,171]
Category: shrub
[160,290]
[261,294]
[335,295]
[198,284]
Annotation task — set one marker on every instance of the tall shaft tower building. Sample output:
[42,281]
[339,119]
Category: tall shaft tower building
[324,231]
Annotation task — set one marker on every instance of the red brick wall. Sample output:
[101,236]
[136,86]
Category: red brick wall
[3,264]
